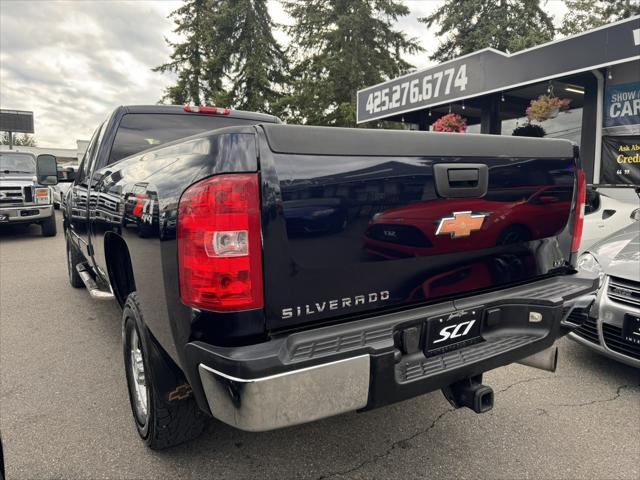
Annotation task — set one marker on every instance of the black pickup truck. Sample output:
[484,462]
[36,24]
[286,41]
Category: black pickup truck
[271,275]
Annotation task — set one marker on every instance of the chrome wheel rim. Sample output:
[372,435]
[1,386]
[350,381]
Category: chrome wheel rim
[138,376]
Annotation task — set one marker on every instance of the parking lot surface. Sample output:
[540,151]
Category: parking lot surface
[64,410]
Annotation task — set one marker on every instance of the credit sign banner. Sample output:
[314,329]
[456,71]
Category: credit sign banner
[620,160]
[622,104]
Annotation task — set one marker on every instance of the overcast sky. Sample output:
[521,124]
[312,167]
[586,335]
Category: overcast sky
[72,62]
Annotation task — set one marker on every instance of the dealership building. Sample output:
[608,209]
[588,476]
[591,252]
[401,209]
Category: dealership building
[598,71]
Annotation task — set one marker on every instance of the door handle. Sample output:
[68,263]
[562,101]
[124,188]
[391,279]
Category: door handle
[607,213]
[461,180]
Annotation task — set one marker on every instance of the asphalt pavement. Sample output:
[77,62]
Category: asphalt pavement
[64,410]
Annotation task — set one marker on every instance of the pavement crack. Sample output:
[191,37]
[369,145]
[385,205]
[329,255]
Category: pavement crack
[617,395]
[520,382]
[402,443]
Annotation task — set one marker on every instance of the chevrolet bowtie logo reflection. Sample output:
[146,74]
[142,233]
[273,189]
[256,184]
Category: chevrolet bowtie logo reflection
[461,224]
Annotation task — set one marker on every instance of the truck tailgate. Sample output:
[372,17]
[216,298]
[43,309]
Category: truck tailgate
[358,221]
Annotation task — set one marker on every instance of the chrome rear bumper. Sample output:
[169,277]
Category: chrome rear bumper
[290,398]
[312,374]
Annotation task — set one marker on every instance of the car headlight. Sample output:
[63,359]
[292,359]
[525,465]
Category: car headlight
[635,215]
[588,263]
[42,196]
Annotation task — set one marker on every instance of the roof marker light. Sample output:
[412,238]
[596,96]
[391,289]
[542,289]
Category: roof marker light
[207,110]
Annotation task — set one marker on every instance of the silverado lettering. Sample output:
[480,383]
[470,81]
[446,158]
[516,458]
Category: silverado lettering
[334,304]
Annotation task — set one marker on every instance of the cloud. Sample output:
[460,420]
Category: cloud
[73,62]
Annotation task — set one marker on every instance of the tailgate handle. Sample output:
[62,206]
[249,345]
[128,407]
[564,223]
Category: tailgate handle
[461,180]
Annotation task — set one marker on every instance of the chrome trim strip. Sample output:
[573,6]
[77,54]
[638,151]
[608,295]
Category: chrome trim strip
[288,398]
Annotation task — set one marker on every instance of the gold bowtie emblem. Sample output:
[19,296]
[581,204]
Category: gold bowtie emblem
[461,224]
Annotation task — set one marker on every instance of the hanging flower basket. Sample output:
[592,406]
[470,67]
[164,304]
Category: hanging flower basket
[452,122]
[546,107]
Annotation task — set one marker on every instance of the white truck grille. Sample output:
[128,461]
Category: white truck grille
[15,195]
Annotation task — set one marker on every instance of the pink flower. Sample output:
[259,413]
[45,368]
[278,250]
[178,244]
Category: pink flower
[452,122]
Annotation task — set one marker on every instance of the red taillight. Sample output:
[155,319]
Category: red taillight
[207,110]
[219,244]
[579,215]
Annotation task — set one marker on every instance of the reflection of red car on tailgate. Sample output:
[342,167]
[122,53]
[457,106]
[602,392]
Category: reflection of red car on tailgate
[513,215]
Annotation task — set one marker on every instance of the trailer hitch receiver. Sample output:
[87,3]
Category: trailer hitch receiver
[470,393]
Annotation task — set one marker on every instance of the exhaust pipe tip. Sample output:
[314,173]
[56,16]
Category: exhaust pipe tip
[544,360]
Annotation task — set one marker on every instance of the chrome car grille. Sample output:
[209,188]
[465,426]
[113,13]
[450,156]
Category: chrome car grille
[624,291]
[614,341]
[15,195]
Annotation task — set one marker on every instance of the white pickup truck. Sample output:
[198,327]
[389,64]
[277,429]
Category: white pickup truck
[25,193]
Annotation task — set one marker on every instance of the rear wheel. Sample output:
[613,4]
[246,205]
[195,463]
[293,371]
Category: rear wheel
[163,407]
[49,227]
[73,259]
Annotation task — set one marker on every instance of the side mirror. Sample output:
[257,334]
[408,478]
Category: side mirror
[67,174]
[47,169]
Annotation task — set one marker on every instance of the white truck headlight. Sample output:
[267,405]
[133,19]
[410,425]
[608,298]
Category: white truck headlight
[42,196]
[635,215]
[588,263]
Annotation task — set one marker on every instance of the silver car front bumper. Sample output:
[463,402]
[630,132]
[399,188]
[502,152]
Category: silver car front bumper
[289,398]
[607,315]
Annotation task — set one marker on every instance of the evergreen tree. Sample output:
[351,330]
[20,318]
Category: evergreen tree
[199,68]
[338,47]
[506,25]
[587,14]
[24,140]
[257,62]
[228,57]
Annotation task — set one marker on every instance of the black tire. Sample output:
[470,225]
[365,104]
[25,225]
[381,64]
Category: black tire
[73,259]
[49,228]
[170,415]
[56,206]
